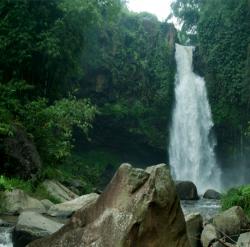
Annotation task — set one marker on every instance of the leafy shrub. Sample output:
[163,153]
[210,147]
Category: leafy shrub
[89,166]
[237,197]
[15,183]
[52,126]
[52,173]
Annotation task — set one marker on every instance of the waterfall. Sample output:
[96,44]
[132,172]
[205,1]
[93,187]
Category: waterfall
[191,148]
[6,237]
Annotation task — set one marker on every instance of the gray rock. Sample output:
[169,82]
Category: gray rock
[231,221]
[212,194]
[209,235]
[66,209]
[31,226]
[47,203]
[21,156]
[16,201]
[186,190]
[194,228]
[77,184]
[4,224]
[244,240]
[138,208]
[59,191]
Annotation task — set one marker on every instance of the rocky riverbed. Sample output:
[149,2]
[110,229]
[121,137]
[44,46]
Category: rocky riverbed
[206,207]
[143,203]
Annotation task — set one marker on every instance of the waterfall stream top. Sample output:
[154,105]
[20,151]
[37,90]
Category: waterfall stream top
[191,149]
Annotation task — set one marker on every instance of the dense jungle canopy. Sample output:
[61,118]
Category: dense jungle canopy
[90,83]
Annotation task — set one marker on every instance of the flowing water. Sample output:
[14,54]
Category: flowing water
[206,207]
[191,148]
[6,236]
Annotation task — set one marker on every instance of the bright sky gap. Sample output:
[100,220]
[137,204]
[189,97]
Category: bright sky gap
[160,8]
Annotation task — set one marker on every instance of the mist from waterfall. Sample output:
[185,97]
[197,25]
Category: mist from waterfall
[191,148]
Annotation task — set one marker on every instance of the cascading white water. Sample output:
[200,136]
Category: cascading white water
[191,148]
[6,237]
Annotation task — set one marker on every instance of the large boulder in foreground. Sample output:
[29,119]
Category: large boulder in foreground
[31,226]
[16,201]
[59,191]
[139,208]
[66,209]
[186,190]
[212,194]
[231,221]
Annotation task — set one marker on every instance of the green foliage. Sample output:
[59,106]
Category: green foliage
[94,49]
[133,74]
[237,197]
[39,192]
[52,126]
[43,42]
[222,36]
[15,183]
[188,13]
[90,165]
[52,173]
[11,104]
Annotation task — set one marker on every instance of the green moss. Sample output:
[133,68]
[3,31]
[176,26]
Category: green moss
[237,197]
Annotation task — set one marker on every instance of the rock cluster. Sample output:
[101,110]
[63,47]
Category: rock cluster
[138,208]
[226,228]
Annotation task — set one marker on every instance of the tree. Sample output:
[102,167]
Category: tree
[188,13]
[43,42]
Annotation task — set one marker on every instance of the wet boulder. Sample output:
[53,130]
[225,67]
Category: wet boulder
[31,226]
[66,209]
[212,194]
[59,191]
[231,221]
[138,208]
[186,190]
[16,201]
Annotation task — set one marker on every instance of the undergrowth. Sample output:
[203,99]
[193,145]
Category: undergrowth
[39,192]
[237,197]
